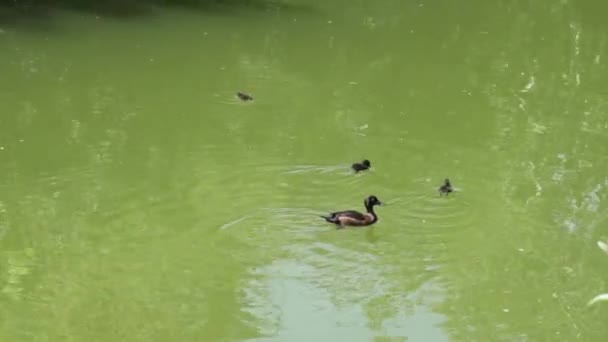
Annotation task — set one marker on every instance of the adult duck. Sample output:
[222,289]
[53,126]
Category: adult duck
[355,218]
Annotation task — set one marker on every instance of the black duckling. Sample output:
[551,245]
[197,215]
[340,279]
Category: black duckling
[355,218]
[446,188]
[362,166]
[243,96]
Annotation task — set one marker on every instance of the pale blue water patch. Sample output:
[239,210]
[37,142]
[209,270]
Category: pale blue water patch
[300,309]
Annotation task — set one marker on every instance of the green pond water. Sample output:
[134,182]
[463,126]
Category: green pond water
[140,200]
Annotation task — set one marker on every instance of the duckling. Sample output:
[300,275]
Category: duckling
[243,96]
[362,166]
[446,188]
[355,218]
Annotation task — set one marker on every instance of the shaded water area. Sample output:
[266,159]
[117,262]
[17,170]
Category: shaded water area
[140,200]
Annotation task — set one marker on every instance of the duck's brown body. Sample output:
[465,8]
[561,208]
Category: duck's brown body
[353,217]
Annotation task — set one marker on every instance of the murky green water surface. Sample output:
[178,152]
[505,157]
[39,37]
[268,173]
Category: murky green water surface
[141,201]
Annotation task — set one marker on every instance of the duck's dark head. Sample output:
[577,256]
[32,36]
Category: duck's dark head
[447,182]
[366,163]
[372,201]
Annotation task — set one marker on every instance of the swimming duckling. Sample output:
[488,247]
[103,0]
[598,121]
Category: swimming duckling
[243,96]
[355,218]
[362,166]
[446,188]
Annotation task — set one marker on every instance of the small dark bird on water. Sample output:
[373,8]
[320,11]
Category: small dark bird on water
[446,188]
[243,96]
[362,166]
[353,217]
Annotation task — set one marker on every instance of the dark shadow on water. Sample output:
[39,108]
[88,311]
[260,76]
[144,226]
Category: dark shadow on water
[27,11]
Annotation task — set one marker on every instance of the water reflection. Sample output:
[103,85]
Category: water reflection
[296,296]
